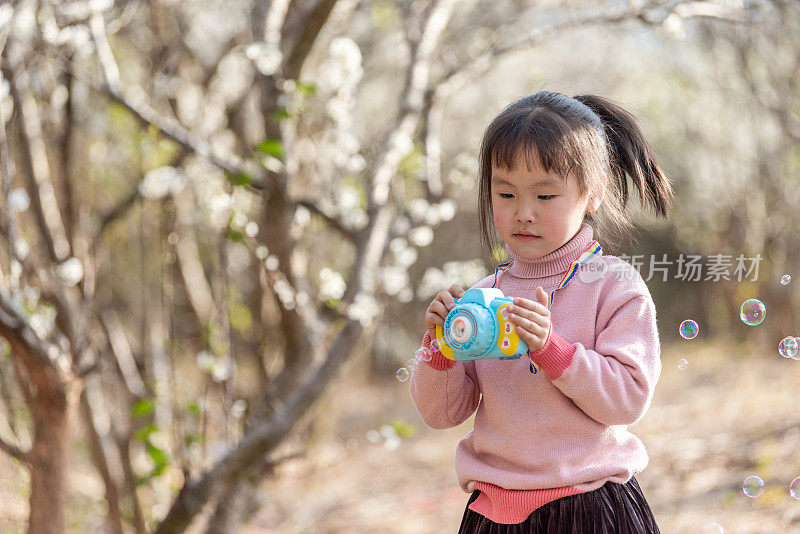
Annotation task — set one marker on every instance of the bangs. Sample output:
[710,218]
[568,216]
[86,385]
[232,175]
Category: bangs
[539,138]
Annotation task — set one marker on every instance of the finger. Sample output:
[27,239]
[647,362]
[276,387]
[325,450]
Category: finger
[437,313]
[447,299]
[456,291]
[542,297]
[528,326]
[531,305]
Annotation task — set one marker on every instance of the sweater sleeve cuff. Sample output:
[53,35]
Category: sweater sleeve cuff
[437,361]
[555,356]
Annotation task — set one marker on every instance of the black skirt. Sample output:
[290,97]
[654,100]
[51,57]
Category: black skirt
[610,509]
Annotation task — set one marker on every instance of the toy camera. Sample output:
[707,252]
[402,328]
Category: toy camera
[478,327]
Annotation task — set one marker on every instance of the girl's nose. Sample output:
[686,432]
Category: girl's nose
[525,216]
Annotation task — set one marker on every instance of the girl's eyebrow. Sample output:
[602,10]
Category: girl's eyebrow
[547,181]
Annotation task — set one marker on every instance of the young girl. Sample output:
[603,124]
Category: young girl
[550,451]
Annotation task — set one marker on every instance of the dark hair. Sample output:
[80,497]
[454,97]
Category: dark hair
[589,137]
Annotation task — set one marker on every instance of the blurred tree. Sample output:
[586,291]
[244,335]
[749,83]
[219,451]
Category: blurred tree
[184,182]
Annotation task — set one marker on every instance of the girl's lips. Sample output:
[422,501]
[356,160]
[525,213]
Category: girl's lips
[523,237]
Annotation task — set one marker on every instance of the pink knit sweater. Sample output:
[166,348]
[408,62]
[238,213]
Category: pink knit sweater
[541,436]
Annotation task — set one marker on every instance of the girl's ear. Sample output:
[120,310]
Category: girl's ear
[595,199]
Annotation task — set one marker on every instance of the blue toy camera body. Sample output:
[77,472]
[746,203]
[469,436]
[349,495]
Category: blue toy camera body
[478,328]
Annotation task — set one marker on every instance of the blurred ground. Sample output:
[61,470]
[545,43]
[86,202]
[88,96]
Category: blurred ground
[732,413]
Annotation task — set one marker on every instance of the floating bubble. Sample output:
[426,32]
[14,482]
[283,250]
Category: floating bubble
[753,486]
[689,329]
[682,364]
[402,374]
[424,355]
[712,528]
[785,279]
[794,488]
[752,312]
[436,344]
[788,347]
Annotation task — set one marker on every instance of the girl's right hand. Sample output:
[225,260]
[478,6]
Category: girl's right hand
[440,307]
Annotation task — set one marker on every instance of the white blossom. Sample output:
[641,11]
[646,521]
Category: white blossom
[238,408]
[673,26]
[251,229]
[464,273]
[222,370]
[271,263]
[162,181]
[447,209]
[206,361]
[398,244]
[70,272]
[406,295]
[6,103]
[422,236]
[261,252]
[418,208]
[364,309]
[331,284]
[394,279]
[266,57]
[302,216]
[401,225]
[406,257]
[22,248]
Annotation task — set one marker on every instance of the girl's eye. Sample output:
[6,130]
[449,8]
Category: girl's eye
[506,195]
[547,197]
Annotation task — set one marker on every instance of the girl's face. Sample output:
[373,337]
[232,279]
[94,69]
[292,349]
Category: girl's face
[536,212]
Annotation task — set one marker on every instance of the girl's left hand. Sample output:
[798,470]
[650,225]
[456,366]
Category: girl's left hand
[531,318]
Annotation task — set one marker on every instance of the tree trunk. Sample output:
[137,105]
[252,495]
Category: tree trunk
[48,463]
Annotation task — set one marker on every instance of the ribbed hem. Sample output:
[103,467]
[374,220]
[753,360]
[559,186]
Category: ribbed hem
[437,361]
[513,506]
[555,356]
[555,263]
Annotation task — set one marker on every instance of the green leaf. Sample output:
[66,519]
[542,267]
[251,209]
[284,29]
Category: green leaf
[273,147]
[143,408]
[239,178]
[235,235]
[194,409]
[403,429]
[280,115]
[158,456]
[306,88]
[143,434]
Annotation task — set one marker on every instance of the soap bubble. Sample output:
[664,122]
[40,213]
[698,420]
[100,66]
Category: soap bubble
[788,347]
[411,364]
[752,312]
[712,528]
[682,364]
[794,488]
[402,374]
[689,329]
[753,486]
[436,344]
[785,279]
[424,355]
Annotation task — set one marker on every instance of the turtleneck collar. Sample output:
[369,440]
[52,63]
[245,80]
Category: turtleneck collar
[555,263]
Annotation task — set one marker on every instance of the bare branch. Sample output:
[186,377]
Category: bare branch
[171,128]
[331,219]
[14,451]
[37,168]
[121,350]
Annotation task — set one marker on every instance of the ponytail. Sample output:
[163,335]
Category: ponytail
[631,154]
